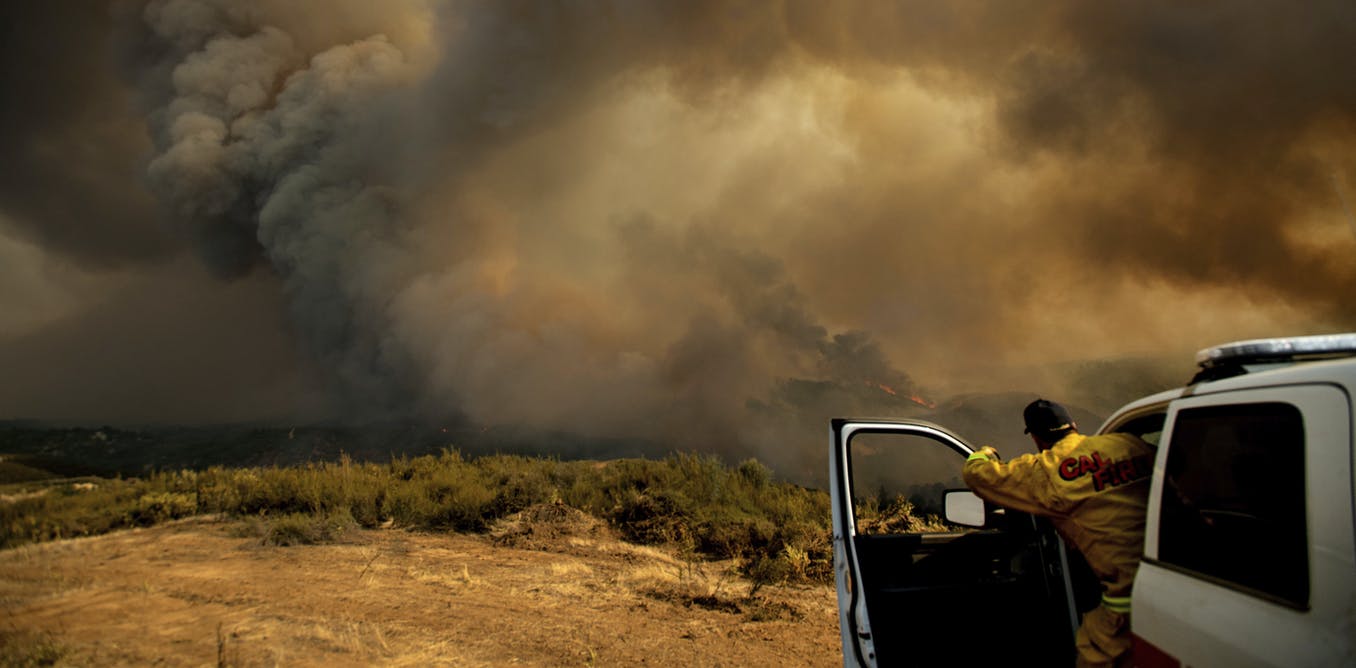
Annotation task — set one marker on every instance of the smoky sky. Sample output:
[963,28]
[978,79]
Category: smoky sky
[74,147]
[699,222]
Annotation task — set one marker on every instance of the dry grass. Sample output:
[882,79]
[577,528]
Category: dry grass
[23,496]
[25,648]
[547,525]
[455,578]
[690,584]
[565,569]
[400,598]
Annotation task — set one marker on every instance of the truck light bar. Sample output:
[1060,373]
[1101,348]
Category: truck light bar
[1278,350]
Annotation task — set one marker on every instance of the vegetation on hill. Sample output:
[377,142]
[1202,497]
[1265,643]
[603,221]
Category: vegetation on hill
[778,531]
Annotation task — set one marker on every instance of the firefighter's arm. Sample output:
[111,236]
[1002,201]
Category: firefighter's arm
[1020,484]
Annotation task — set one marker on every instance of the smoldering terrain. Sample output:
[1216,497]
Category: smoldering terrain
[688,225]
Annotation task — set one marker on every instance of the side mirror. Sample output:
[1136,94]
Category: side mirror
[961,506]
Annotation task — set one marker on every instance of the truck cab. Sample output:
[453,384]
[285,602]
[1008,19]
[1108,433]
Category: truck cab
[1249,555]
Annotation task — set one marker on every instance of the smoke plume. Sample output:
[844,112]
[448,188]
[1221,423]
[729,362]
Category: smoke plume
[716,223]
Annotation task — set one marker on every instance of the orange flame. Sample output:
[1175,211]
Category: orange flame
[891,391]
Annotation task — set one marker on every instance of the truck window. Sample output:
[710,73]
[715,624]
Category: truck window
[1148,427]
[898,480]
[1233,505]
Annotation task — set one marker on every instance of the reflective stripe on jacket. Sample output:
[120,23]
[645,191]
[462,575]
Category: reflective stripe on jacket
[1094,489]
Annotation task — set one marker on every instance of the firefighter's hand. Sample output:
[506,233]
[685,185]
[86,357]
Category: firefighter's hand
[992,454]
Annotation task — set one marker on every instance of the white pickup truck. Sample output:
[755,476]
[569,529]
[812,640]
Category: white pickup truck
[1249,556]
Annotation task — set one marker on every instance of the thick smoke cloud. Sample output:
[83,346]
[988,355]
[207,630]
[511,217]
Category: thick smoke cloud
[717,223]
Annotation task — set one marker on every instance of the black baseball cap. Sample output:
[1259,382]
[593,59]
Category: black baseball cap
[1044,417]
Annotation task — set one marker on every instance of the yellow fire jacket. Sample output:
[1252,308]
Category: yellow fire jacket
[1094,489]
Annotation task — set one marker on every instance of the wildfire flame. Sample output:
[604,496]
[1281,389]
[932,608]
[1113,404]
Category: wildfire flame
[891,391]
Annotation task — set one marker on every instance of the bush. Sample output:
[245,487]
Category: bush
[660,517]
[303,529]
[159,507]
[691,501]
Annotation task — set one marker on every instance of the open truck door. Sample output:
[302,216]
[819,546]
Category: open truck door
[915,589]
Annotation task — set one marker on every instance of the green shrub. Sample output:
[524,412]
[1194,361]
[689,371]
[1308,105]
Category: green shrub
[692,501]
[463,508]
[157,507]
[518,482]
[304,529]
[754,473]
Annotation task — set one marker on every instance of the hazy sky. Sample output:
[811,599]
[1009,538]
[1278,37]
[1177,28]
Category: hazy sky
[686,220]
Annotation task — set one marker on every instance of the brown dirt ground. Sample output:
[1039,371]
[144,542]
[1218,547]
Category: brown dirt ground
[535,592]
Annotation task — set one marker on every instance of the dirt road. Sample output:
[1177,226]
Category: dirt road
[198,592]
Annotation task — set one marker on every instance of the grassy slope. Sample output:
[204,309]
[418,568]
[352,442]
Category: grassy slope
[695,502]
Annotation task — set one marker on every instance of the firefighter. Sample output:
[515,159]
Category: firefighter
[1094,489]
